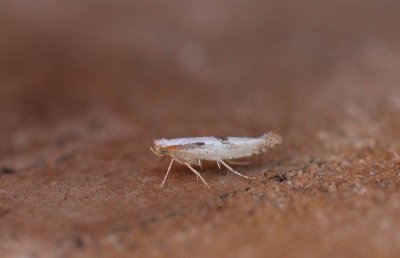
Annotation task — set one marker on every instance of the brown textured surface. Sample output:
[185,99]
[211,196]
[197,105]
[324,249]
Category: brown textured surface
[85,87]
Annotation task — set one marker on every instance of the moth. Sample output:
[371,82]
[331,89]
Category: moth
[193,150]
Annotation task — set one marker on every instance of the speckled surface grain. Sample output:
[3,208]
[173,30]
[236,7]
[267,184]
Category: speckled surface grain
[85,88]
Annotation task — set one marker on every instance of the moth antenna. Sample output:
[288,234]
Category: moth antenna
[152,150]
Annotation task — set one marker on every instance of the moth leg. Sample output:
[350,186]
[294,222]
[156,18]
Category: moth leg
[201,167]
[166,175]
[233,171]
[197,174]
[239,163]
[219,165]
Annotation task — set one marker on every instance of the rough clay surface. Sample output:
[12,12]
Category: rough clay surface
[86,86]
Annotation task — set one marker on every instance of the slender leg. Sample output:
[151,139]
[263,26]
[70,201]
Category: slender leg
[233,171]
[239,163]
[166,175]
[197,174]
[201,168]
[219,165]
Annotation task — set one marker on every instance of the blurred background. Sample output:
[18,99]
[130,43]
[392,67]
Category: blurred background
[252,64]
[107,77]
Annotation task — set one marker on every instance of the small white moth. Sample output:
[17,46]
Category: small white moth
[191,151]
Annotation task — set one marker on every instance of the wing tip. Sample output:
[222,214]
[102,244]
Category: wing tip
[272,138]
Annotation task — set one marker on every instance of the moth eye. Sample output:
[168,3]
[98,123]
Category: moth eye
[163,151]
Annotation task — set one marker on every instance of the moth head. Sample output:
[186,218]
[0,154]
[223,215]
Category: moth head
[159,149]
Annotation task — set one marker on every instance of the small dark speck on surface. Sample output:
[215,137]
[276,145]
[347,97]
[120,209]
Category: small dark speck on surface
[66,156]
[7,170]
[224,196]
[280,178]
[171,214]
[78,242]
